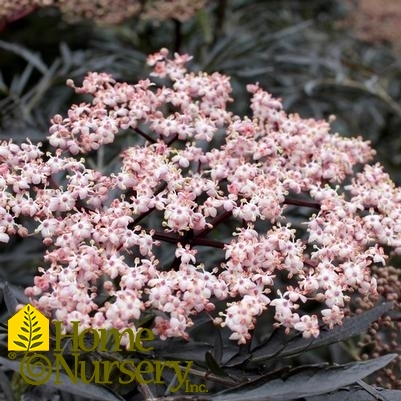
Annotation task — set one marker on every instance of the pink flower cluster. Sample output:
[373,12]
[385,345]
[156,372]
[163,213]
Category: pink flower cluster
[197,172]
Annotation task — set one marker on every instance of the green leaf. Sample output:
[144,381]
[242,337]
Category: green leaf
[36,337]
[36,344]
[35,330]
[22,337]
[307,382]
[20,344]
[25,330]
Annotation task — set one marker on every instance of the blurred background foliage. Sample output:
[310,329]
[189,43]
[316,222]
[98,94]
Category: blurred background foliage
[322,57]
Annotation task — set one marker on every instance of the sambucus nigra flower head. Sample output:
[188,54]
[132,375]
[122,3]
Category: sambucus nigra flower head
[260,166]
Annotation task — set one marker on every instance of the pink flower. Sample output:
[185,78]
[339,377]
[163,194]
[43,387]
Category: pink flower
[308,325]
[4,237]
[333,316]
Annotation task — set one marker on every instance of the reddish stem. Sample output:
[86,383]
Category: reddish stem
[144,135]
[217,220]
[299,202]
[175,239]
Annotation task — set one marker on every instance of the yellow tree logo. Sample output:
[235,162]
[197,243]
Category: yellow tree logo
[28,330]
